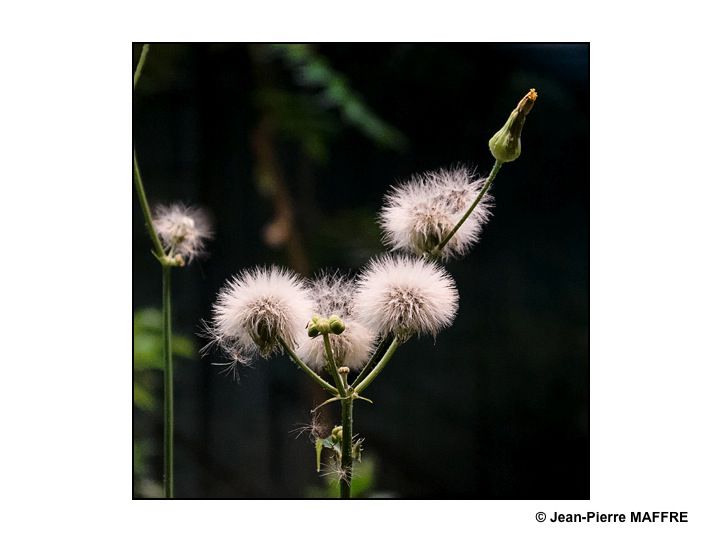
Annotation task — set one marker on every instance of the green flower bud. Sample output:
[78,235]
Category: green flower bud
[505,144]
[323,326]
[336,324]
[336,433]
[313,330]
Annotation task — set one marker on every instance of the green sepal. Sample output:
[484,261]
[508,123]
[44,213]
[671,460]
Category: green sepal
[318,452]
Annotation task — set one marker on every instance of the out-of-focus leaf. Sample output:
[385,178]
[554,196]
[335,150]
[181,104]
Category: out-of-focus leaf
[142,397]
[363,478]
[147,341]
[298,117]
[311,69]
[138,455]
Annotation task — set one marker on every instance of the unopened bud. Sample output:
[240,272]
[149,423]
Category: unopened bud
[336,324]
[336,433]
[313,330]
[505,144]
[323,326]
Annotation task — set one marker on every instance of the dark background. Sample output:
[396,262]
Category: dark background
[308,140]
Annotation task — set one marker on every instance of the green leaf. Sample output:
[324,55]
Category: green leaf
[142,397]
[311,69]
[148,341]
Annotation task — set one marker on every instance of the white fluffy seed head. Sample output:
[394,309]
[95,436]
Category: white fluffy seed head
[255,308]
[418,214]
[183,230]
[405,296]
[334,294]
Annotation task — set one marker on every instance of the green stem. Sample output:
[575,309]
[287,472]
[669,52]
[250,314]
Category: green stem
[346,461]
[374,360]
[484,190]
[303,366]
[139,188]
[159,251]
[140,65]
[332,366]
[168,402]
[383,362]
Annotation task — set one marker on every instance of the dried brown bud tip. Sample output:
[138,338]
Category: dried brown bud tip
[526,103]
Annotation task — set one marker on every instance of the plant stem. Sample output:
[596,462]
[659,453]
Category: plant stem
[168,402]
[141,63]
[374,360]
[346,402]
[303,366]
[159,251]
[383,362]
[347,460]
[139,188]
[332,367]
[485,188]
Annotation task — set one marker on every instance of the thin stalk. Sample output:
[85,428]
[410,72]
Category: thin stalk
[484,190]
[139,188]
[303,366]
[332,367]
[168,399]
[140,65]
[374,360]
[346,460]
[159,252]
[383,362]
[169,431]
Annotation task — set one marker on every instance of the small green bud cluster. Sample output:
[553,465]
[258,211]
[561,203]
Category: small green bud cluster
[336,434]
[320,325]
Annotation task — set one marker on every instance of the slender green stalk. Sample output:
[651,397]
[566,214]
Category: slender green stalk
[169,431]
[159,251]
[381,365]
[303,366]
[485,188]
[346,402]
[140,65]
[346,460]
[168,399]
[332,367]
[373,361]
[139,188]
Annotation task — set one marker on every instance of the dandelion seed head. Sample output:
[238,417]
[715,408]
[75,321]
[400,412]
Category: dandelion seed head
[418,214]
[405,296]
[258,306]
[334,294]
[182,229]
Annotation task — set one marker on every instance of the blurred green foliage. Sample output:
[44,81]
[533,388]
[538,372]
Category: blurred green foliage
[299,118]
[311,69]
[147,354]
[147,364]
